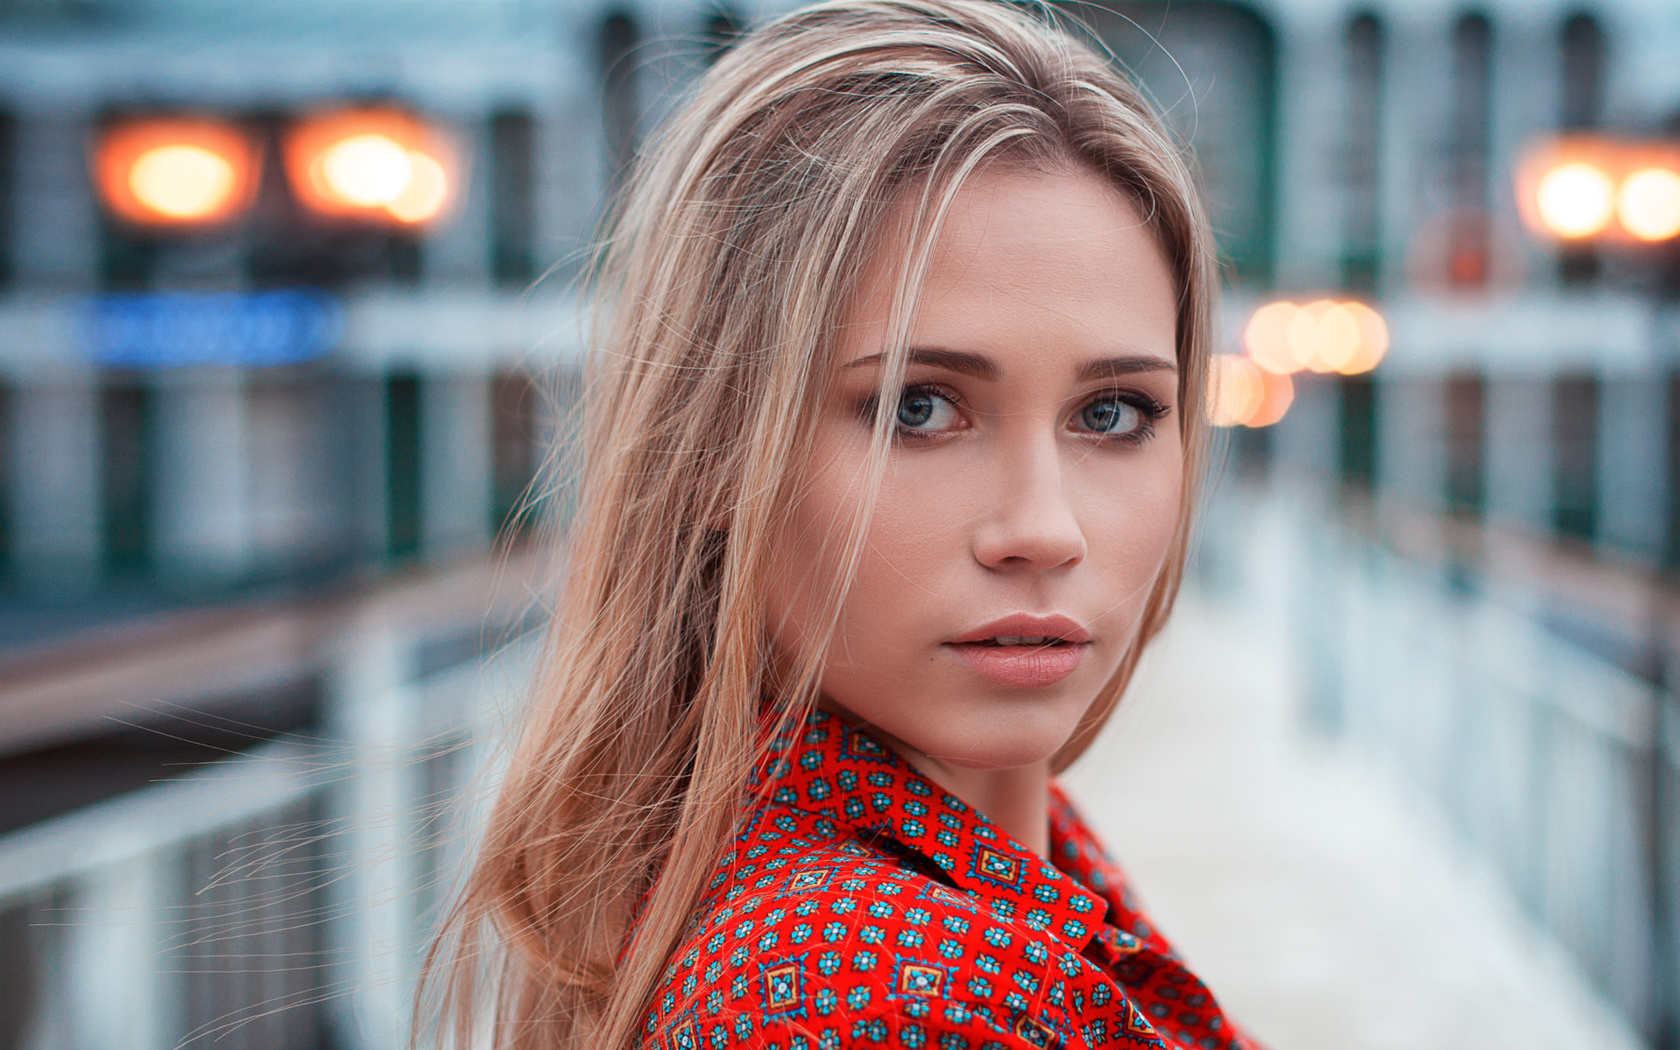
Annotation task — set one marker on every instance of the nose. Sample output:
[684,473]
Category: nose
[1033,527]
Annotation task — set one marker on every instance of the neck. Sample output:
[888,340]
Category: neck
[1016,799]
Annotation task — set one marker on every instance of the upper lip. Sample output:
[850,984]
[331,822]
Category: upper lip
[1027,625]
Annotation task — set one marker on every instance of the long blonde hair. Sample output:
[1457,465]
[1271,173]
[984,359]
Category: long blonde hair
[730,261]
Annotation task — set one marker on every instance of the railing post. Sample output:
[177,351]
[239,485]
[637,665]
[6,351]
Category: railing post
[56,540]
[1411,441]
[456,452]
[1633,465]
[373,934]
[1520,453]
[117,992]
[203,528]
[1664,857]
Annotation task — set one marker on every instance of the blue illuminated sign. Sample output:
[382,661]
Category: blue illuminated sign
[175,329]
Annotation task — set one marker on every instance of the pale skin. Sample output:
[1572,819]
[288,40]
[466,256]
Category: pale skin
[1038,470]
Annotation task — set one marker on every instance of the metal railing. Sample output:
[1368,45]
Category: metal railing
[283,897]
[1558,764]
[278,898]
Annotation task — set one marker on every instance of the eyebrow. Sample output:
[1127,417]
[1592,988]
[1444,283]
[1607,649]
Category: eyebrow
[1124,365]
[982,367]
[961,362]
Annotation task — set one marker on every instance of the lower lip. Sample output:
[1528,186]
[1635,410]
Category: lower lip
[1023,666]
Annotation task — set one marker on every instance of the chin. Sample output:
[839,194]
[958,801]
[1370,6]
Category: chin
[1010,734]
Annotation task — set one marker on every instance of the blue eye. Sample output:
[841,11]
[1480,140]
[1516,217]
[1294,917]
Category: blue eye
[914,409]
[1112,416]
[923,409]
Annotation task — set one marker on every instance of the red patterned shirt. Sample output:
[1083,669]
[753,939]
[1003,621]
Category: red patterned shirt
[863,906]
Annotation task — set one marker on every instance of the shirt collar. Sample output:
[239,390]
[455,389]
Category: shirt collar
[838,771]
[1078,853]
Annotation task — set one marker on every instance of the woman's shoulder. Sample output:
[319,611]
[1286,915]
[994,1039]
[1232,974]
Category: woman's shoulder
[822,936]
[844,941]
[861,905]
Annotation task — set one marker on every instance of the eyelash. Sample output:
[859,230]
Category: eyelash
[1151,409]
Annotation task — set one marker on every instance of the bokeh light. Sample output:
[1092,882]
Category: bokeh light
[425,194]
[1266,337]
[1648,205]
[1306,333]
[367,171]
[1373,341]
[1325,335]
[183,182]
[1586,187]
[174,172]
[1576,200]
[1236,390]
[373,163]
[1242,394]
[1277,393]
[1338,338]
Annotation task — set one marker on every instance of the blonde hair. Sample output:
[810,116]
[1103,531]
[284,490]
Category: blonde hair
[731,260]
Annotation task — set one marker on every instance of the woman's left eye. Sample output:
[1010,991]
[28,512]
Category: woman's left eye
[1113,417]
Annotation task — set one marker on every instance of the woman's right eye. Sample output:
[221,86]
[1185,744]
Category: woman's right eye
[926,411]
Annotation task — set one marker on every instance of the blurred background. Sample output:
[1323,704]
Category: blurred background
[288,325]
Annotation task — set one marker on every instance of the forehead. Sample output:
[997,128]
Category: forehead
[1028,260]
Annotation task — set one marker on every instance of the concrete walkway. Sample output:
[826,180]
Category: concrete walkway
[1324,906]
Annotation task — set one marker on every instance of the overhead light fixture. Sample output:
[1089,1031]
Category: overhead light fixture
[175,171]
[376,163]
[1584,188]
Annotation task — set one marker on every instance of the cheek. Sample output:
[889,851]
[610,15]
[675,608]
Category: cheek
[905,562]
[915,534]
[899,555]
[1131,520]
[806,553]
[1136,514]
[910,569]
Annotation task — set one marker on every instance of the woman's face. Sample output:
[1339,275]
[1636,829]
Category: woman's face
[1032,488]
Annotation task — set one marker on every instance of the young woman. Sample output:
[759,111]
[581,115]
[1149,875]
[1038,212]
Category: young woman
[891,443]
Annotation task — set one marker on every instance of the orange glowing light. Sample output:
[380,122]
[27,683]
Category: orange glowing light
[1242,394]
[373,163]
[426,193]
[1236,390]
[1277,393]
[1575,200]
[1373,341]
[1583,187]
[1266,337]
[175,172]
[182,182]
[1339,336]
[1302,335]
[1648,204]
[1322,336]
[365,171]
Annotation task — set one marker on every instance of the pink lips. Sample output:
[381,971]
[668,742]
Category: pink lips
[1025,666]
